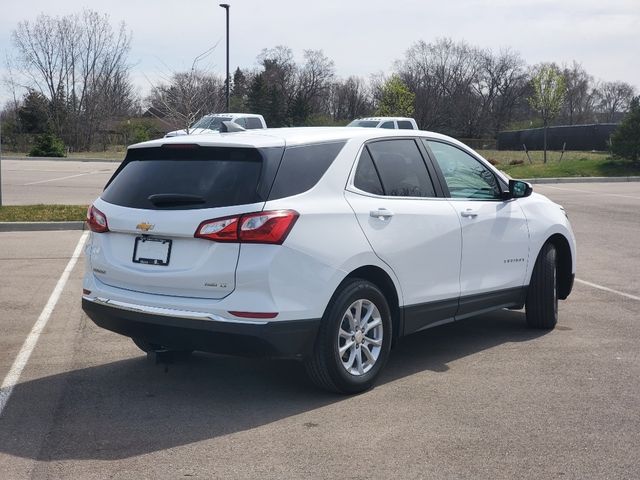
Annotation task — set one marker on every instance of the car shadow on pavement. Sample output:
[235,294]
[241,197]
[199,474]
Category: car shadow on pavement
[132,407]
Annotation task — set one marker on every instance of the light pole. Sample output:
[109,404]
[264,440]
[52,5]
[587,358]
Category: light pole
[226,6]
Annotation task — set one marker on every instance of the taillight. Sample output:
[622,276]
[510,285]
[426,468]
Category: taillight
[96,220]
[261,227]
[220,229]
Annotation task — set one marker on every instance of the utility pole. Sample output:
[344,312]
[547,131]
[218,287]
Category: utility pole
[226,6]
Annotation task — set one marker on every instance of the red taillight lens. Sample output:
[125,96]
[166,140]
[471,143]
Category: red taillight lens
[96,220]
[267,227]
[260,227]
[219,230]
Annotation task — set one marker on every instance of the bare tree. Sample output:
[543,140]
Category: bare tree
[78,62]
[502,82]
[187,96]
[349,99]
[441,75]
[580,95]
[613,98]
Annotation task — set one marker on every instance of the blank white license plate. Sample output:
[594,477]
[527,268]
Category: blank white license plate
[152,251]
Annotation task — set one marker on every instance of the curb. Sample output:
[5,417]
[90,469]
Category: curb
[64,159]
[40,226]
[583,179]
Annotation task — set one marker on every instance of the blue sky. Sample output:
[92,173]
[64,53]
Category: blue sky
[362,37]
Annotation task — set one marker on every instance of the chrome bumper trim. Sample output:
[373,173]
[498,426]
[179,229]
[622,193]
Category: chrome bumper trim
[169,312]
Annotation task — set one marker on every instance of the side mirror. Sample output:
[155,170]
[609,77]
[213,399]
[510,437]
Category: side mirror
[519,189]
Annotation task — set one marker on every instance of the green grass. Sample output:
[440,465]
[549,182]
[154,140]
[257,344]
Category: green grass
[573,164]
[42,213]
[116,152]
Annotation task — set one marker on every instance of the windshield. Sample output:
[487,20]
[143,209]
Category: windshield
[210,122]
[364,123]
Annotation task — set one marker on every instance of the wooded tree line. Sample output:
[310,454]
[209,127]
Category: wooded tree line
[70,76]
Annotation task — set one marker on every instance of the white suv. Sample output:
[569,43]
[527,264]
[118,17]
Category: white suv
[320,244]
[212,123]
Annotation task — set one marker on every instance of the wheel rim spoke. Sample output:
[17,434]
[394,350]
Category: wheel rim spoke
[345,334]
[373,341]
[376,322]
[347,346]
[365,319]
[367,353]
[357,314]
[359,361]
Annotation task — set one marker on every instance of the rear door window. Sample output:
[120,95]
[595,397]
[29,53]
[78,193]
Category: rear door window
[388,125]
[402,169]
[192,177]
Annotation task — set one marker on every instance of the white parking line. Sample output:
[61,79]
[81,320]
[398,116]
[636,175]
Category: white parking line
[591,192]
[21,360]
[607,289]
[61,178]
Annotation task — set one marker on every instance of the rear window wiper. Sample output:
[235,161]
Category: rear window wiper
[159,199]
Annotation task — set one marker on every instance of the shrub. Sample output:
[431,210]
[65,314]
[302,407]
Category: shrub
[48,145]
[625,141]
[493,161]
[516,162]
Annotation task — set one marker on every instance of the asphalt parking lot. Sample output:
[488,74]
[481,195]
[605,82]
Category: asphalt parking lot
[64,182]
[481,398]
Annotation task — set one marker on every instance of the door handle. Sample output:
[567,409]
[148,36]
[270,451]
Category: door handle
[381,213]
[469,214]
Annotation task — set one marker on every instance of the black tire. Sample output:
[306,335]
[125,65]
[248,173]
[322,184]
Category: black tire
[149,347]
[542,295]
[325,367]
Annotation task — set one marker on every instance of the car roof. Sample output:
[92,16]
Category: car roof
[278,137]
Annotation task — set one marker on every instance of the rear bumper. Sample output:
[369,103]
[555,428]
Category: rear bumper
[186,330]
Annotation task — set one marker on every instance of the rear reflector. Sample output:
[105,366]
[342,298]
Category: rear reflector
[86,292]
[270,227]
[96,220]
[254,314]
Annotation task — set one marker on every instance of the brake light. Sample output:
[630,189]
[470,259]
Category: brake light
[270,227]
[181,146]
[96,220]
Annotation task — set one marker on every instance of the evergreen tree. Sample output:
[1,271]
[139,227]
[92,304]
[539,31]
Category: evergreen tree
[625,141]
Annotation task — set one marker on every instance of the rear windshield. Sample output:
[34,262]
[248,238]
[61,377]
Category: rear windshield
[193,177]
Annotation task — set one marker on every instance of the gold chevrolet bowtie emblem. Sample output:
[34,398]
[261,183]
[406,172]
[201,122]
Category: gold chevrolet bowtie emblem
[145,227]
